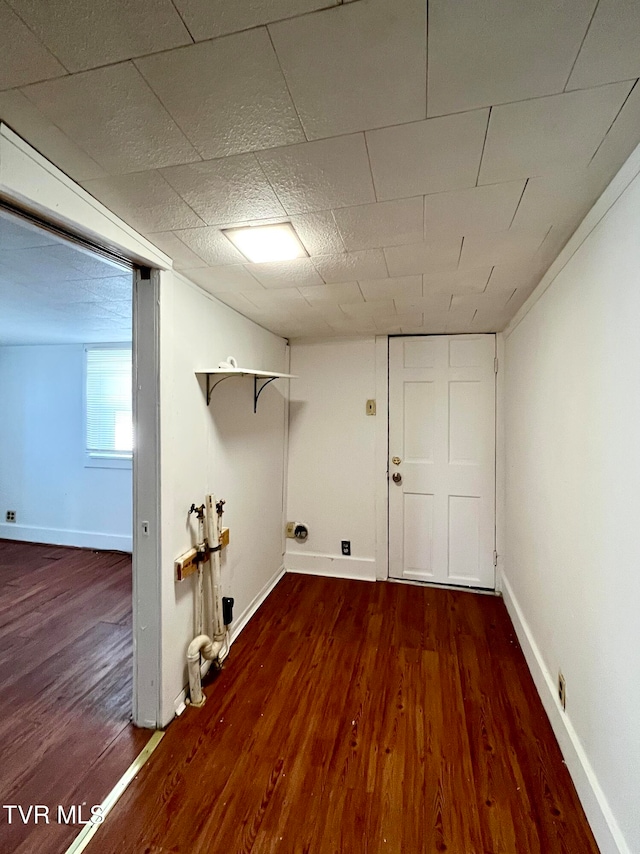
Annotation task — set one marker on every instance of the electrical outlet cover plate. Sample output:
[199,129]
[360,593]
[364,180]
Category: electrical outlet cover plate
[346,548]
[11,516]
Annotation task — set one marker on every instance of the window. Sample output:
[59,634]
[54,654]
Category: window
[108,390]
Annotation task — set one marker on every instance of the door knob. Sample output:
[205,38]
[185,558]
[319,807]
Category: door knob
[396,477]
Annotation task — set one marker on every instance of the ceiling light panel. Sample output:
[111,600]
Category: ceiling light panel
[263,243]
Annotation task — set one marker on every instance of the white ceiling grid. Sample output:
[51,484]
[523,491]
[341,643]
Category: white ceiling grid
[433,158]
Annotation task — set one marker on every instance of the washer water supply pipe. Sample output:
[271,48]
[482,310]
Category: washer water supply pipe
[209,647]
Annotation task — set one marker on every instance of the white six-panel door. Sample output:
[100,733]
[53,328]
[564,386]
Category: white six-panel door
[442,453]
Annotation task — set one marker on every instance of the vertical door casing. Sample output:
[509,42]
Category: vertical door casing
[442,427]
[146,501]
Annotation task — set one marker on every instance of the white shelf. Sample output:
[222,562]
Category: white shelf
[226,373]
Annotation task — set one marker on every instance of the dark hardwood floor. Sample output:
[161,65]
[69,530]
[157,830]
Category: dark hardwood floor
[360,718]
[65,685]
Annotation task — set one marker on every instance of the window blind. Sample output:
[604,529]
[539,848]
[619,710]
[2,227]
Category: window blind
[108,401]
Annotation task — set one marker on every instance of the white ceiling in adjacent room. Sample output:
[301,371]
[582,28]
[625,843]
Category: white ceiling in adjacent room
[431,178]
[52,292]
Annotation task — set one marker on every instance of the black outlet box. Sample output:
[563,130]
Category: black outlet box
[346,547]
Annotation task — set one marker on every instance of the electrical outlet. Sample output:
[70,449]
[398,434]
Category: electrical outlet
[11,515]
[346,547]
[562,690]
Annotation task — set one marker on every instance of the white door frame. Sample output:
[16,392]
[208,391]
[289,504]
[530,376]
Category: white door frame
[146,601]
[382,458]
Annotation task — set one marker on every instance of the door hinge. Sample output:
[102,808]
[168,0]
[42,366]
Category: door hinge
[495,365]
[495,558]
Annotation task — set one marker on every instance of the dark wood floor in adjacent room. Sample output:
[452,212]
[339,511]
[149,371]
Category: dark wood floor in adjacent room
[357,718]
[65,684]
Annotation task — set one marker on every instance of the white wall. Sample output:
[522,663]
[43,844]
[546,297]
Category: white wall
[332,456]
[572,564]
[42,472]
[225,449]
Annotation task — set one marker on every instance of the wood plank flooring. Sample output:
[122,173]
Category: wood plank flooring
[65,685]
[360,718]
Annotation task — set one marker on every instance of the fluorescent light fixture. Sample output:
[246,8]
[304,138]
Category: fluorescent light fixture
[259,243]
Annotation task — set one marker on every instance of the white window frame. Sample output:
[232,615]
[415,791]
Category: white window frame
[97,460]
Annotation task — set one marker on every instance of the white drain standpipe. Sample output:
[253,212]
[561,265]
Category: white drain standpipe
[209,647]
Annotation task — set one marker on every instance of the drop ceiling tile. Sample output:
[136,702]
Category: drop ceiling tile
[518,298]
[427,157]
[402,287]
[25,119]
[392,324]
[315,176]
[211,245]
[208,20]
[611,50]
[84,34]
[87,266]
[478,209]
[112,114]
[375,308]
[381,224]
[225,279]
[427,258]
[182,256]
[506,278]
[548,135]
[318,232]
[239,302]
[286,274]
[228,95]
[15,234]
[501,50]
[355,67]
[560,199]
[476,301]
[620,141]
[275,297]
[118,288]
[351,266]
[505,247]
[343,292]
[354,326]
[330,311]
[457,282]
[144,200]
[23,58]
[225,190]
[553,244]
[430,306]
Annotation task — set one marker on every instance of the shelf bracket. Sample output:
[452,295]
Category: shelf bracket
[210,387]
[258,391]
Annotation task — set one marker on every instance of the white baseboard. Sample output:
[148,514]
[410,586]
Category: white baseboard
[64,537]
[603,824]
[238,625]
[240,622]
[333,566]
